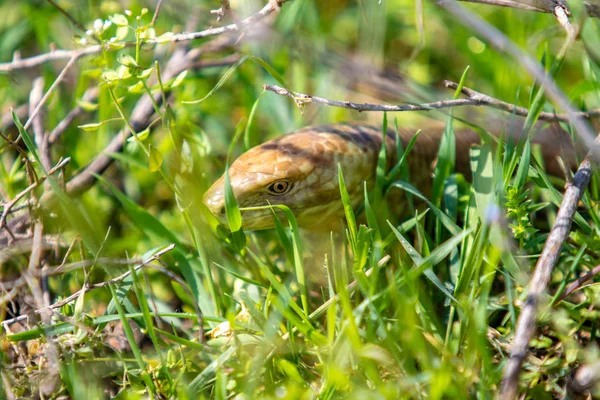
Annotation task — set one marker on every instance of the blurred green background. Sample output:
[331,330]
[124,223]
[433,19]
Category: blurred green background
[401,344]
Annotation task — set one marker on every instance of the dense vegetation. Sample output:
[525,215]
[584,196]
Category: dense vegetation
[170,304]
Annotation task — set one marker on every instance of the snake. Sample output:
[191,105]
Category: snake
[300,169]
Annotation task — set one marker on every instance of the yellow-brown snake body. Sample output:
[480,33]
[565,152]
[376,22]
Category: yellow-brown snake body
[300,169]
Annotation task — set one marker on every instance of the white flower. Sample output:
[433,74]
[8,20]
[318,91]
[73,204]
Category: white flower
[83,41]
[107,24]
[98,24]
[128,12]
[89,32]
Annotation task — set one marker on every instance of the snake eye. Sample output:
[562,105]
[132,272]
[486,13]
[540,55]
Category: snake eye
[279,188]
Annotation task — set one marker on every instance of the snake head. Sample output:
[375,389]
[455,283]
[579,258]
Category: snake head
[297,170]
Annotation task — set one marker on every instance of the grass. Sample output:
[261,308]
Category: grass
[423,306]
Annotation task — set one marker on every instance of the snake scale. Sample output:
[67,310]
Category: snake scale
[300,169]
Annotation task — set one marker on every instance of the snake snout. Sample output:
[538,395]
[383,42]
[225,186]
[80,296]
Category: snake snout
[214,200]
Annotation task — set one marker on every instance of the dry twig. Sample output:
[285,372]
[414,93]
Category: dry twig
[545,6]
[8,206]
[75,295]
[156,12]
[41,138]
[43,100]
[181,37]
[578,283]
[526,323]
[503,44]
[71,18]
[474,99]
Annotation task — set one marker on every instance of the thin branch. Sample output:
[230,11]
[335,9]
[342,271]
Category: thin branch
[221,62]
[545,6]
[48,271]
[181,37]
[225,10]
[8,207]
[561,14]
[41,138]
[503,44]
[69,16]
[54,55]
[156,12]
[75,295]
[578,283]
[302,99]
[484,99]
[526,324]
[474,99]
[56,82]
[89,96]
[6,121]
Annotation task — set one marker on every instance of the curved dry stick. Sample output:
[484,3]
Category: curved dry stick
[78,293]
[301,99]
[578,283]
[545,6]
[526,323]
[43,100]
[474,99]
[8,206]
[503,44]
[181,37]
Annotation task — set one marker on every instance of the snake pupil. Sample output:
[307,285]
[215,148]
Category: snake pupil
[279,187]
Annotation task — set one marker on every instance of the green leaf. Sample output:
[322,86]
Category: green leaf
[119,19]
[446,220]
[132,342]
[145,74]
[164,38]
[424,265]
[90,127]
[249,140]
[347,206]
[74,212]
[278,286]
[270,70]
[232,211]
[381,164]
[371,217]
[151,226]
[221,81]
[239,130]
[523,170]
[178,79]
[127,60]
[155,159]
